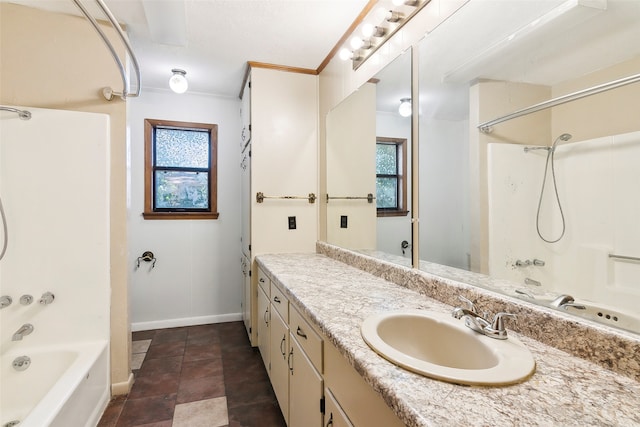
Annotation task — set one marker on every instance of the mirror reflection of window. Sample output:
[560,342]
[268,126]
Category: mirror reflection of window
[391,176]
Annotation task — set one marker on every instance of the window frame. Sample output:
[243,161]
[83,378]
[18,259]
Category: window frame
[401,174]
[149,167]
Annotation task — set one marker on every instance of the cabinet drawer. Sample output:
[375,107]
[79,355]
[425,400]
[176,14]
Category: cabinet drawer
[263,281]
[309,340]
[280,302]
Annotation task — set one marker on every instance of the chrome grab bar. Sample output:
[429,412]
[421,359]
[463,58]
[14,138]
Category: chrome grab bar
[23,114]
[311,198]
[624,257]
[108,92]
[369,198]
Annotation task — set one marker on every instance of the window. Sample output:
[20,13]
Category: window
[180,170]
[391,182]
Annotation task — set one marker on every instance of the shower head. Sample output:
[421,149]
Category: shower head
[563,137]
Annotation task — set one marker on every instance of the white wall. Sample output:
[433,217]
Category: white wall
[444,190]
[54,183]
[197,277]
[392,230]
[597,184]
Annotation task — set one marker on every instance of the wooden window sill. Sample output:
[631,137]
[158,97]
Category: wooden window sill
[180,215]
[392,213]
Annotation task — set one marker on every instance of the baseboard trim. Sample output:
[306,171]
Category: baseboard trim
[118,389]
[185,321]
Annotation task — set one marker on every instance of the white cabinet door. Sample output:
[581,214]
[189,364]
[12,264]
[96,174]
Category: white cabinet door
[305,389]
[279,369]
[334,416]
[263,327]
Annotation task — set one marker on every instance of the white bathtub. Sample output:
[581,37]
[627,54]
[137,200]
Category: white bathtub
[65,386]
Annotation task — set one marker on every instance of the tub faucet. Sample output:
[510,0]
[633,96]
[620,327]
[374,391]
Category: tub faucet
[25,329]
[564,301]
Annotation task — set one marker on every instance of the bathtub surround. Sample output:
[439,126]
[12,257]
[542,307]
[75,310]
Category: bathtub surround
[336,297]
[53,75]
[57,267]
[598,176]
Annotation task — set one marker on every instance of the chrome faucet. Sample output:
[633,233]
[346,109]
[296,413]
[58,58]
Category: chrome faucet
[25,329]
[479,323]
[564,301]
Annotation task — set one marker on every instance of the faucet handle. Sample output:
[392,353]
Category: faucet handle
[497,329]
[498,323]
[470,304]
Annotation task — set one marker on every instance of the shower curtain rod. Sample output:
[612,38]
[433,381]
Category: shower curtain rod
[108,92]
[23,114]
[486,127]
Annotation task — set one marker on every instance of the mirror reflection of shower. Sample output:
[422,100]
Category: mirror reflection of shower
[550,159]
[24,115]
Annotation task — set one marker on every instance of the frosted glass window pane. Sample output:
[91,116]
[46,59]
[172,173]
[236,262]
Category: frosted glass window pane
[181,190]
[182,148]
[386,159]
[387,193]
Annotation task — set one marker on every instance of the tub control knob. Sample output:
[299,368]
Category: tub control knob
[5,301]
[26,299]
[47,298]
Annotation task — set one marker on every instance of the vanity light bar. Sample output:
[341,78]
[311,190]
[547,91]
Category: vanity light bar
[390,22]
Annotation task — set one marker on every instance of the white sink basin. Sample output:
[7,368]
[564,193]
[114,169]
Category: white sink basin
[442,347]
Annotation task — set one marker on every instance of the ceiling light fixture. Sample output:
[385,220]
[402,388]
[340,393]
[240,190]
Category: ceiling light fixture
[405,107]
[178,82]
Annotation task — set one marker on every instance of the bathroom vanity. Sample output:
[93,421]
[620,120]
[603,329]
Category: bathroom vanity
[331,299]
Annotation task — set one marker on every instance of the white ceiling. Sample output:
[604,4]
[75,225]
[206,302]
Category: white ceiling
[213,39]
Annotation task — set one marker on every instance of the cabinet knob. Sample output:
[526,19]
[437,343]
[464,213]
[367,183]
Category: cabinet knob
[276,299]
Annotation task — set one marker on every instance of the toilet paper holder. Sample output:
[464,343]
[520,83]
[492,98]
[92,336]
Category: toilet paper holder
[147,256]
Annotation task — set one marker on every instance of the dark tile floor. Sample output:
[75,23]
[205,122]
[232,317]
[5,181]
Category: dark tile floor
[206,375]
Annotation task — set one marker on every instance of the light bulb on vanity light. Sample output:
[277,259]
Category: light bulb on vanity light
[405,107]
[345,54]
[178,82]
[356,42]
[368,30]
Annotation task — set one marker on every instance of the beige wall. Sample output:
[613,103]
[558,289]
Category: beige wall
[610,113]
[351,169]
[57,61]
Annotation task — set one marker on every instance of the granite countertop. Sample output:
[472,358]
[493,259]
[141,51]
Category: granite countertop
[565,390]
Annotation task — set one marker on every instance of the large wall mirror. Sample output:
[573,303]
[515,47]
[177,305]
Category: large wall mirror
[541,206]
[368,166]
[548,203]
